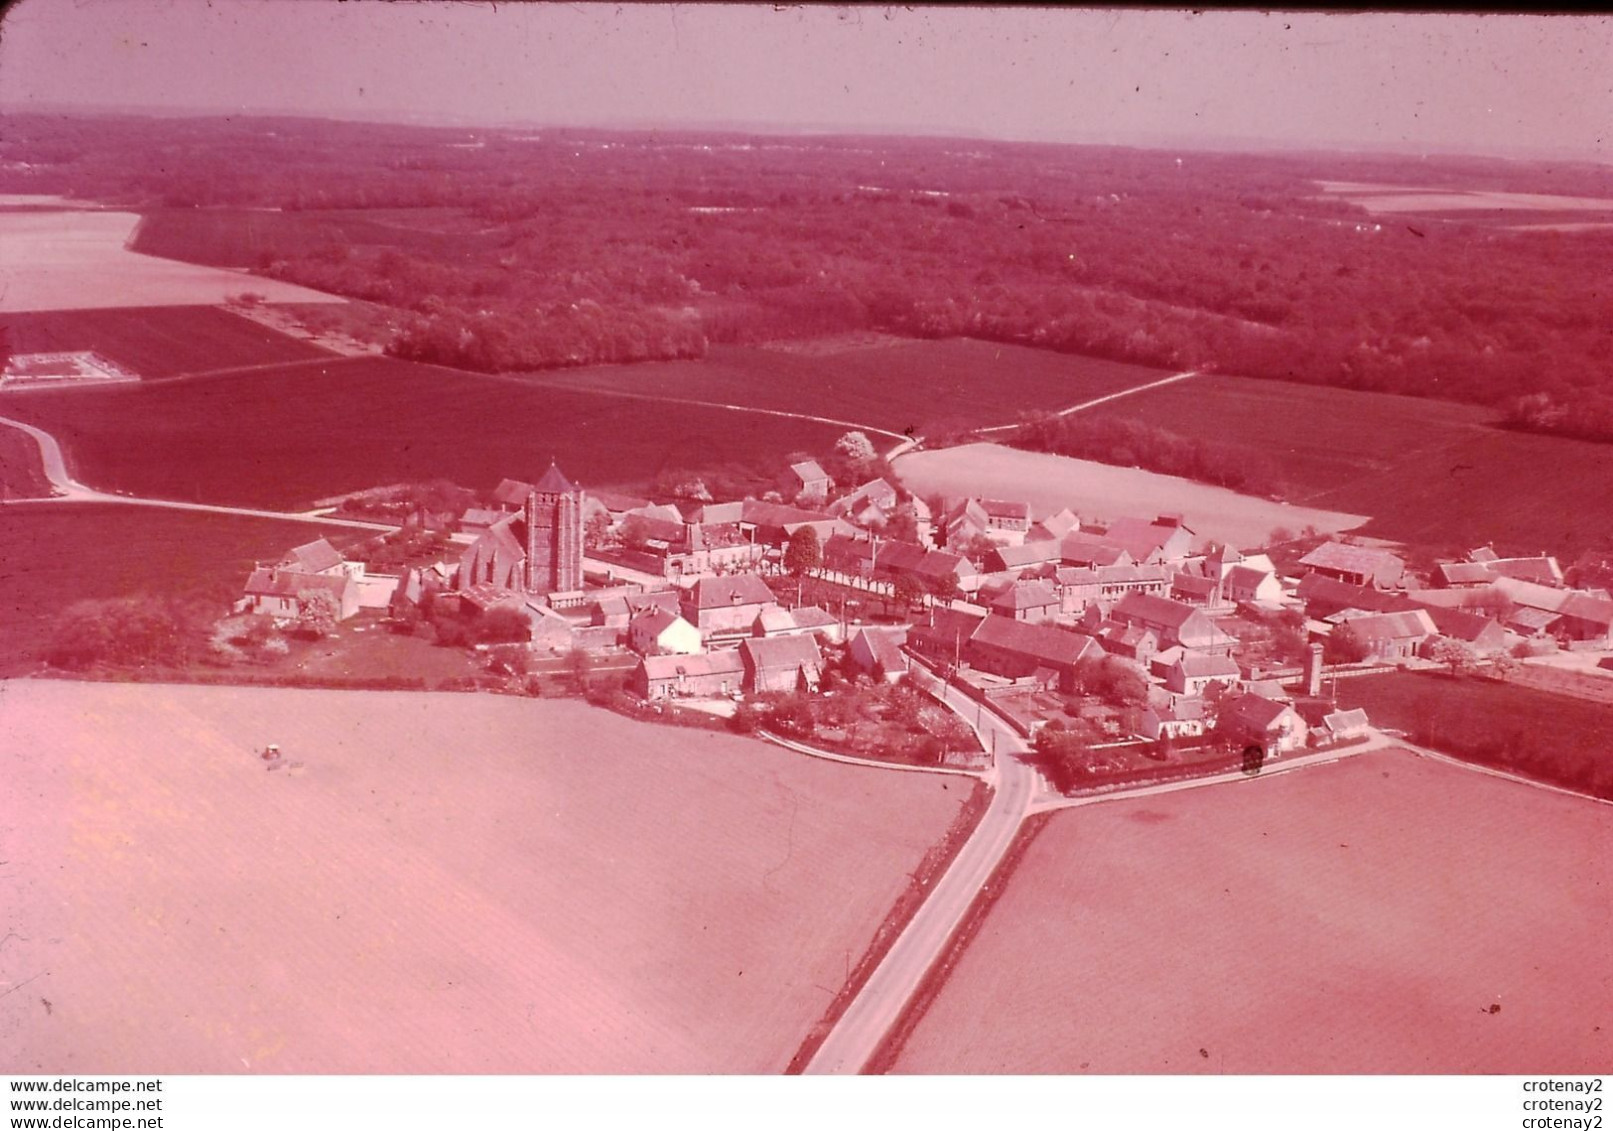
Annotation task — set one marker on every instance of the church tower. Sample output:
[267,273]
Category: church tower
[554,535]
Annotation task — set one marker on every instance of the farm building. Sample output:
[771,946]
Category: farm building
[1355,565]
[281,592]
[1483,635]
[1134,642]
[806,482]
[657,632]
[1166,539]
[1197,590]
[781,663]
[1029,601]
[801,621]
[318,556]
[1392,636]
[1093,550]
[1326,596]
[710,673]
[1174,622]
[1028,555]
[878,652]
[727,604]
[1276,727]
[1003,521]
[1473,574]
[774,524]
[944,636]
[1015,650]
[1341,725]
[1055,527]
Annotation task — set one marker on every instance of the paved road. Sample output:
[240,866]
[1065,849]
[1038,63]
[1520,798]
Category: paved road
[873,1012]
[70,490]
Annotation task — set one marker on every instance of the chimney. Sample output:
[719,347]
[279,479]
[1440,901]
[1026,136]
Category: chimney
[1313,672]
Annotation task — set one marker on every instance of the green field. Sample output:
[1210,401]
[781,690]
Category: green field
[1431,472]
[1556,738]
[280,438]
[56,553]
[158,341]
[894,386]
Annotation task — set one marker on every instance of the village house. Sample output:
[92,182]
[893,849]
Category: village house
[1118,581]
[781,663]
[1134,642]
[1245,584]
[706,674]
[1355,565]
[1255,720]
[1197,590]
[878,651]
[870,505]
[1571,616]
[657,632]
[1193,672]
[1173,716]
[730,604]
[1077,588]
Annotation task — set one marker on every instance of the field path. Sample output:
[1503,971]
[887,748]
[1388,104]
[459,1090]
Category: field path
[1095,401]
[70,490]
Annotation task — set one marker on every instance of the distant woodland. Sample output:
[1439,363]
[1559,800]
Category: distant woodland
[530,249]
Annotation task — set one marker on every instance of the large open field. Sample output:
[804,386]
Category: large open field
[1429,471]
[52,554]
[1383,915]
[283,437]
[437,883]
[163,341]
[1097,491]
[78,260]
[893,386]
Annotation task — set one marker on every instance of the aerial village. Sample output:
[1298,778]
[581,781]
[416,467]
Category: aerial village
[1112,647]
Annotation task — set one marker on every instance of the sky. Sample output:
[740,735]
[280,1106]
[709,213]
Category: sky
[1441,82]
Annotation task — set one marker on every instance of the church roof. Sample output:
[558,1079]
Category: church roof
[554,482]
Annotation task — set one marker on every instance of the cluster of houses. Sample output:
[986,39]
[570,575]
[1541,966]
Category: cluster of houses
[995,595]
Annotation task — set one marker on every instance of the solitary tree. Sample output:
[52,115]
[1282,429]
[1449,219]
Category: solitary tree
[802,556]
[944,587]
[1345,646]
[318,612]
[857,450]
[1453,654]
[908,590]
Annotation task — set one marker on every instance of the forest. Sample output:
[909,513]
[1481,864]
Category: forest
[508,250]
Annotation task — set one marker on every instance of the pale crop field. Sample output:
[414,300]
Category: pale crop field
[1101,492]
[1386,914]
[431,883]
[76,260]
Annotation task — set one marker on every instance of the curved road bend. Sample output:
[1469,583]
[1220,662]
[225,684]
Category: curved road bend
[875,1009]
[69,490]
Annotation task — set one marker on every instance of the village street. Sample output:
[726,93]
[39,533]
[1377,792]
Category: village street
[869,1017]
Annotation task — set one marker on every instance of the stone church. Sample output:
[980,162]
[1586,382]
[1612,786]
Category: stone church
[536,549]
